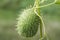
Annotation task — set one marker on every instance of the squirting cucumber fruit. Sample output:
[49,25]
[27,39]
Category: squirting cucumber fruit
[28,23]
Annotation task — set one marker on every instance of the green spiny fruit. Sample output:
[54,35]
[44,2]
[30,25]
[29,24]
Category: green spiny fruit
[28,23]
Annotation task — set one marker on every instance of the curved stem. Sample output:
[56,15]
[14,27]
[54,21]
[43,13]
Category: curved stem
[46,5]
[41,26]
[37,11]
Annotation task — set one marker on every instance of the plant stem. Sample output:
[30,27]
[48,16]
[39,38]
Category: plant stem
[37,11]
[37,4]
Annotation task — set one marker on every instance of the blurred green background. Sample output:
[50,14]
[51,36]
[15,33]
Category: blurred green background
[11,9]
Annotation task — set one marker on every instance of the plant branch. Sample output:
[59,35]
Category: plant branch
[37,11]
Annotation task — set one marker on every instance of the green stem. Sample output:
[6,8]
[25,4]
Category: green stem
[37,4]
[41,26]
[37,11]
